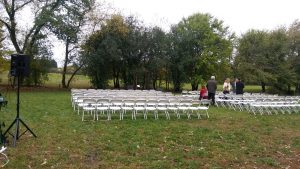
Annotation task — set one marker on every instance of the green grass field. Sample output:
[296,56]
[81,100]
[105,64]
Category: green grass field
[228,139]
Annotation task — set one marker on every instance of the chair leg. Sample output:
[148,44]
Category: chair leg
[145,115]
[178,114]
[82,115]
[121,112]
[167,114]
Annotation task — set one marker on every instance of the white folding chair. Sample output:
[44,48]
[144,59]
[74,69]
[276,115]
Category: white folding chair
[151,107]
[115,105]
[173,107]
[127,106]
[184,107]
[162,105]
[89,105]
[102,106]
[139,106]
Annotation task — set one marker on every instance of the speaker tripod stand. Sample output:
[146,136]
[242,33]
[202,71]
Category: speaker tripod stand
[18,120]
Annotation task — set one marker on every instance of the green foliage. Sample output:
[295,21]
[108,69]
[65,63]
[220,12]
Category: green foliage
[267,56]
[294,46]
[124,50]
[202,47]
[103,51]
[191,52]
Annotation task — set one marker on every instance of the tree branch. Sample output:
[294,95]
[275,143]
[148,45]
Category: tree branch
[6,24]
[21,6]
[7,7]
[74,73]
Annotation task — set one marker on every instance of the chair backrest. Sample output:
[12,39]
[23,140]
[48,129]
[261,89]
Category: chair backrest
[152,103]
[163,103]
[89,102]
[103,102]
[128,102]
[186,102]
[116,102]
[140,102]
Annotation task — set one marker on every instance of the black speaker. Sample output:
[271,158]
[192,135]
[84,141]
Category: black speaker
[19,65]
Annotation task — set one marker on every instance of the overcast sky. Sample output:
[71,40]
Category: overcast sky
[239,15]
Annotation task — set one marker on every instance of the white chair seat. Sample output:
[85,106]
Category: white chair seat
[115,108]
[162,108]
[183,108]
[127,108]
[138,108]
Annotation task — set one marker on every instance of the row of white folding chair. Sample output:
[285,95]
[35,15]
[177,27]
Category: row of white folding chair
[110,107]
[141,105]
[75,98]
[244,104]
[236,104]
[134,92]
[79,100]
[270,107]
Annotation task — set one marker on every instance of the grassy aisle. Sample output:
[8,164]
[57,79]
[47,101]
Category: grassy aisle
[227,140]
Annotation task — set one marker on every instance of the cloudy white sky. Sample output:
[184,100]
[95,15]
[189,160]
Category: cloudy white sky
[239,15]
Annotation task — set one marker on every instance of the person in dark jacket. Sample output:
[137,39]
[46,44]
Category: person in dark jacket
[239,86]
[211,88]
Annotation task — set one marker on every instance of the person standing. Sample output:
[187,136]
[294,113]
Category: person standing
[211,88]
[239,86]
[226,86]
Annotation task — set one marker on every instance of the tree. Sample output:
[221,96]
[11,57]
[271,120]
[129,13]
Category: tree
[281,65]
[26,41]
[294,46]
[103,52]
[155,60]
[266,56]
[4,62]
[67,25]
[32,39]
[202,44]
[252,58]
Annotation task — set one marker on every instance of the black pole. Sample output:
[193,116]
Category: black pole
[17,119]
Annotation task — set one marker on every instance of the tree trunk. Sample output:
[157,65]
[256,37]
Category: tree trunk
[64,72]
[134,82]
[124,75]
[263,87]
[297,90]
[194,86]
[117,81]
[144,83]
[289,90]
[73,74]
[154,83]
[159,81]
[116,78]
[176,87]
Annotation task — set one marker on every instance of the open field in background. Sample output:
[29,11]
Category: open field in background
[228,139]
[81,81]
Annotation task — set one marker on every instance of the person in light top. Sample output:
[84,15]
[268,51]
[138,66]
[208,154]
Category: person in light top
[226,86]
